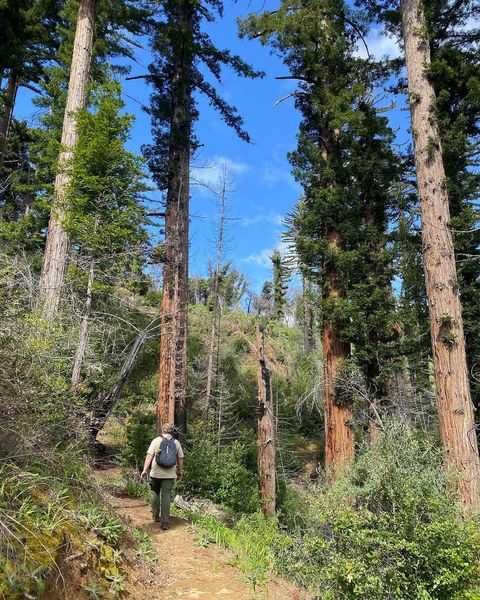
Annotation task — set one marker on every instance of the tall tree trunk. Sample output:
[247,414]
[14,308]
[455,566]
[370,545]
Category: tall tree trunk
[83,334]
[266,447]
[455,410]
[339,446]
[214,344]
[56,251]
[9,96]
[171,406]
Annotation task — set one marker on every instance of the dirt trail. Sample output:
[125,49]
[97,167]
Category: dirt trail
[190,571]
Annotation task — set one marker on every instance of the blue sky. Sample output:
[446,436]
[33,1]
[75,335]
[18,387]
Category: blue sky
[263,188]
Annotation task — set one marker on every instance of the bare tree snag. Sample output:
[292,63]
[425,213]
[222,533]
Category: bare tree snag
[9,96]
[56,250]
[171,406]
[214,343]
[83,333]
[266,447]
[455,409]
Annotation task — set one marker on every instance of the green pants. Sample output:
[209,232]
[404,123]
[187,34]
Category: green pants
[161,497]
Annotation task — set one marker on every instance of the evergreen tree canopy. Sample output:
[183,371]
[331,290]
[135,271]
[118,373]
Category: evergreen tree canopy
[172,39]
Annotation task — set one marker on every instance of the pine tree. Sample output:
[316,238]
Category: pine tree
[346,167]
[455,74]
[180,45]
[100,28]
[105,222]
[29,41]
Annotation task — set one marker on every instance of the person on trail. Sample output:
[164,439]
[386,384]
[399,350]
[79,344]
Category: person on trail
[164,464]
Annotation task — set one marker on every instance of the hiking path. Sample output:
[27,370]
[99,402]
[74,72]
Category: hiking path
[188,570]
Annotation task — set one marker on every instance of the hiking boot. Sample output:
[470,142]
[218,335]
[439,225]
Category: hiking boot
[165,525]
[156,518]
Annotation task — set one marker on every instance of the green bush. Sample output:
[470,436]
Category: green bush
[220,474]
[389,529]
[139,432]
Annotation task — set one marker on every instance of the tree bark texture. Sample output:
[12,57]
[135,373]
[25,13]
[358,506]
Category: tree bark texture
[339,444]
[56,251]
[266,447]
[171,406]
[455,409]
[339,447]
[9,96]
[83,333]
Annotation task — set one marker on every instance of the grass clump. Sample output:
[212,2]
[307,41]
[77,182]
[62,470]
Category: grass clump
[43,518]
[251,541]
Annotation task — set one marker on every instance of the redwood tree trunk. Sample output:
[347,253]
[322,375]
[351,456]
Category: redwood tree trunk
[173,339]
[9,96]
[455,409]
[339,447]
[55,257]
[266,459]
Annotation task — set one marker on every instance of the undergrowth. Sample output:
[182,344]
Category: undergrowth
[388,529]
[46,518]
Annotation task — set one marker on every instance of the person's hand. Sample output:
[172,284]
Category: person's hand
[179,475]
[144,475]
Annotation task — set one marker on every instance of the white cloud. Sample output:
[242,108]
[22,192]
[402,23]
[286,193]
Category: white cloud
[210,174]
[271,218]
[263,258]
[380,45]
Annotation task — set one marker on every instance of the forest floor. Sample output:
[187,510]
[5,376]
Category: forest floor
[186,569]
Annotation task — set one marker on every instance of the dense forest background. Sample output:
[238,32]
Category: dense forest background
[331,410]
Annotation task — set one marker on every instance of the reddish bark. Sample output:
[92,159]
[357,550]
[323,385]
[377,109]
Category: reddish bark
[171,406]
[339,448]
[455,409]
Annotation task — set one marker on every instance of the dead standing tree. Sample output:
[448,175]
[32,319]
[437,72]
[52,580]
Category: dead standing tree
[56,250]
[216,304]
[455,409]
[266,446]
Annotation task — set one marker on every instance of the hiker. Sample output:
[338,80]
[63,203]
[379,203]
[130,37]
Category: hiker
[164,464]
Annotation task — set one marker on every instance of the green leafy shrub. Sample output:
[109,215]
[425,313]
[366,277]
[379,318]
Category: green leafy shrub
[389,529]
[139,432]
[220,474]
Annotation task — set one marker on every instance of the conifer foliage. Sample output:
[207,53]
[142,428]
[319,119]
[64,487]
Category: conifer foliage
[181,46]
[346,167]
